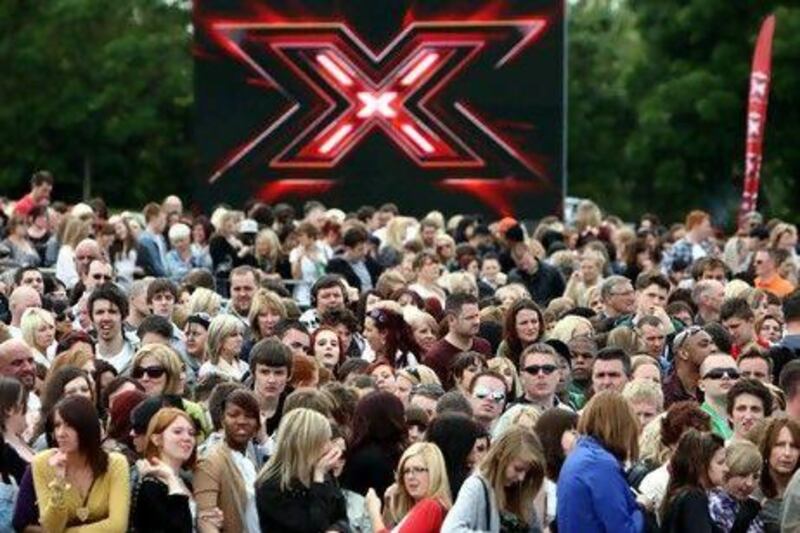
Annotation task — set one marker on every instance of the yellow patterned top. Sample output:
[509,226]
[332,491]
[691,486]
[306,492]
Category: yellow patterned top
[61,508]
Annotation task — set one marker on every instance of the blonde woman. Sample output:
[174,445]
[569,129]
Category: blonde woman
[590,274]
[421,497]
[519,415]
[267,250]
[158,368]
[571,326]
[503,488]
[205,301]
[266,310]
[295,491]
[784,237]
[39,332]
[413,376]
[223,346]
[424,329]
[506,368]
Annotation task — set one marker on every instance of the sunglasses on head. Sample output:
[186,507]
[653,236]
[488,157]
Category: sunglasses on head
[379,316]
[535,369]
[718,373]
[153,372]
[685,335]
[495,395]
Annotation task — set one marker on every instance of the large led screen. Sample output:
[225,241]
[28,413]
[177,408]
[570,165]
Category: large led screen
[452,105]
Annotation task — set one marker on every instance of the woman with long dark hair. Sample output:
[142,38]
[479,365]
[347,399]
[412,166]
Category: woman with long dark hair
[523,326]
[78,483]
[780,450]
[557,429]
[15,454]
[64,383]
[379,436]
[685,506]
[389,337]
[455,435]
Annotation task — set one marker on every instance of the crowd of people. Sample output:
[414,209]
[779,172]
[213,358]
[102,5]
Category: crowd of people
[268,369]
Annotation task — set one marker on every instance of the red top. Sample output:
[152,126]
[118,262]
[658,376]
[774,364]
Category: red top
[426,516]
[24,205]
[442,353]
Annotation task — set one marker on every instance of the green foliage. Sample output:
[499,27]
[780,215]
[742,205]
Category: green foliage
[675,127]
[103,86]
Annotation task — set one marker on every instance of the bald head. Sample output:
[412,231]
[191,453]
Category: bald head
[87,251]
[16,361]
[21,299]
[172,204]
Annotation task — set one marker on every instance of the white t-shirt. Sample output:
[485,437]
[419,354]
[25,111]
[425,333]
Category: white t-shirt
[120,360]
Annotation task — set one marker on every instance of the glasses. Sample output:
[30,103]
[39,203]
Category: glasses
[496,396]
[719,373]
[685,335]
[153,372]
[98,277]
[544,369]
[416,470]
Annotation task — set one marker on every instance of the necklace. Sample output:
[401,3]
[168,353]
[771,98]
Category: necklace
[82,512]
[78,482]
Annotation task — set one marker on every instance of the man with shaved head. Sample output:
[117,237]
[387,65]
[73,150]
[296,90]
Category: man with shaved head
[16,361]
[21,299]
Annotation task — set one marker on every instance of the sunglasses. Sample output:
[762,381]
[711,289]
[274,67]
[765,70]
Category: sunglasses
[153,372]
[719,373]
[98,277]
[496,396]
[535,369]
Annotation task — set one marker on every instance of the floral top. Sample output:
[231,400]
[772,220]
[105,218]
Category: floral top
[723,508]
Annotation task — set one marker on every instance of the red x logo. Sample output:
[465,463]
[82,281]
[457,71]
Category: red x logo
[338,90]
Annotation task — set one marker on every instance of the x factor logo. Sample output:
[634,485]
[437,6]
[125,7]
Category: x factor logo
[337,90]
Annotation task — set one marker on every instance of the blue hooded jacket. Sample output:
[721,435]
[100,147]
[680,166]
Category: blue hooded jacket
[593,495]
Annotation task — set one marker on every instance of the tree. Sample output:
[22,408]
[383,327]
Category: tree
[603,48]
[691,100]
[99,87]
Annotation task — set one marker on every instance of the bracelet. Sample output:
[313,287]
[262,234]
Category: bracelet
[58,487]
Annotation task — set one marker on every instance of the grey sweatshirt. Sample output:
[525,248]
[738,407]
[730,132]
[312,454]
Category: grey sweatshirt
[468,514]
